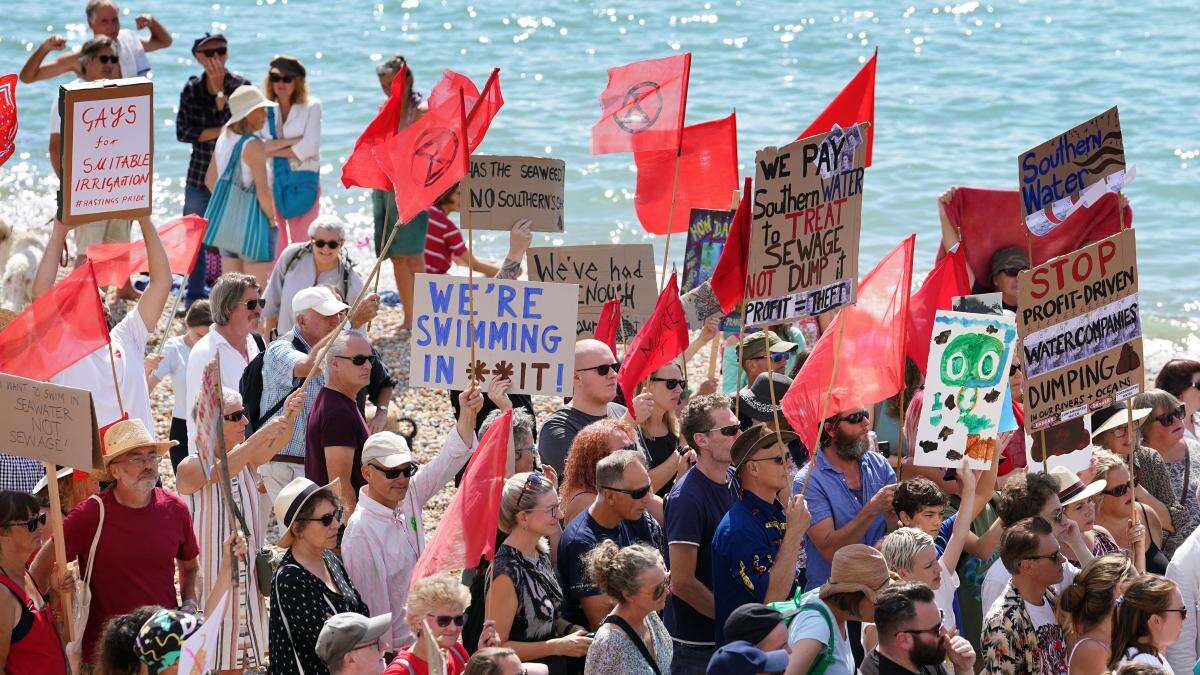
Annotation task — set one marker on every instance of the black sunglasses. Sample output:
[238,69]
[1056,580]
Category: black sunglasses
[32,524]
[669,382]
[444,621]
[1012,271]
[255,304]
[1119,491]
[1053,557]
[1169,417]
[235,416]
[636,493]
[332,243]
[393,474]
[105,58]
[730,431]
[358,359]
[855,417]
[778,459]
[602,370]
[215,51]
[286,79]
[328,518]
[936,630]
[534,477]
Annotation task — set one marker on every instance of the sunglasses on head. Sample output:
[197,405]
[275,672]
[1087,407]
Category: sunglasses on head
[857,417]
[534,477]
[603,369]
[105,58]
[444,621]
[1168,418]
[1119,491]
[235,416]
[276,78]
[669,382]
[328,518]
[358,359]
[636,493]
[255,304]
[392,474]
[32,524]
[1012,271]
[215,51]
[332,243]
[730,431]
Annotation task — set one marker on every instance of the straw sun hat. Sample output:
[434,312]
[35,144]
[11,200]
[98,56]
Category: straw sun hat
[245,100]
[124,436]
[857,567]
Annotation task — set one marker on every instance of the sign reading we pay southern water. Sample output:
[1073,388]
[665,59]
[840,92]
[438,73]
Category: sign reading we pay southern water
[1081,331]
[523,331]
[804,233]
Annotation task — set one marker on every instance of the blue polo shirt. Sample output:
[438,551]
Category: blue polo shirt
[744,548]
[828,496]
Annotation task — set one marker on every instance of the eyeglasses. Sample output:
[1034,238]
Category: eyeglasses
[1057,514]
[215,51]
[444,621]
[669,382]
[1196,384]
[138,459]
[636,493]
[857,417]
[235,416]
[779,356]
[1167,418]
[534,477]
[321,243]
[39,520]
[392,474]
[328,518]
[936,630]
[730,431]
[602,370]
[778,459]
[1012,271]
[286,79]
[105,58]
[1057,556]
[358,359]
[1119,432]
[519,452]
[1182,610]
[1119,491]
[255,304]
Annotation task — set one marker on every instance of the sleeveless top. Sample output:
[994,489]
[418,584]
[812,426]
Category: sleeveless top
[35,647]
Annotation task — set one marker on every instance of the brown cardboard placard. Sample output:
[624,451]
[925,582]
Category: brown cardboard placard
[1081,333]
[603,272]
[49,423]
[805,226]
[500,190]
[108,150]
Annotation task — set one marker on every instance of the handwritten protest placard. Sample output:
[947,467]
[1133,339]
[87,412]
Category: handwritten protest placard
[1071,170]
[805,227]
[502,190]
[48,422]
[707,230]
[969,359]
[523,330]
[603,272]
[108,150]
[1081,331]
[207,413]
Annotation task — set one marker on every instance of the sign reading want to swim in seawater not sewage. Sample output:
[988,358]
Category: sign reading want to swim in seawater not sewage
[523,330]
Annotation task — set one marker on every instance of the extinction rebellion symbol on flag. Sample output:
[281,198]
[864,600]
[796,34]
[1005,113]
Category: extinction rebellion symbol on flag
[434,155]
[640,107]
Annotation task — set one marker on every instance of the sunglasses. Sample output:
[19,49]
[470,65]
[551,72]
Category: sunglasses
[534,477]
[321,243]
[936,630]
[392,474]
[669,382]
[636,493]
[215,51]
[255,304]
[104,58]
[286,79]
[778,459]
[444,621]
[235,416]
[328,518]
[602,370]
[1182,612]
[1012,271]
[359,359]
[1119,491]
[1053,557]
[33,523]
[662,589]
[730,431]
[855,417]
[1168,418]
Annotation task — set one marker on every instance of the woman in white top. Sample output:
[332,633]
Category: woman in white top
[320,260]
[1148,619]
[172,361]
[298,117]
[1085,611]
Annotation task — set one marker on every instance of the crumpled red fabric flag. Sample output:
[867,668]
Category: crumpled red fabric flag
[663,337]
[868,338]
[854,103]
[468,528]
[115,263]
[606,325]
[8,117]
[729,276]
[360,169]
[41,342]
[643,106]
[707,176]
[947,279]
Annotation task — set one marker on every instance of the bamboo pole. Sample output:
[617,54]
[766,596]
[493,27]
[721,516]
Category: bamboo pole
[662,278]
[1139,550]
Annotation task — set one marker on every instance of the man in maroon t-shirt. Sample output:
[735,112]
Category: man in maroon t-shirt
[336,430]
[145,535]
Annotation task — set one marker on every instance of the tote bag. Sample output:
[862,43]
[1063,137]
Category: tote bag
[295,191]
[235,222]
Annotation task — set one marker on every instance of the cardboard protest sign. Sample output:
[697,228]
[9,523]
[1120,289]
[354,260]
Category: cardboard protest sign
[207,413]
[969,359]
[804,235]
[1071,170]
[49,423]
[523,330]
[107,150]
[502,190]
[1070,445]
[603,272]
[707,229]
[1081,331]
[198,653]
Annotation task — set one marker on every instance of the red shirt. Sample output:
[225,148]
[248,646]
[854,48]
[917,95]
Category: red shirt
[442,242]
[408,663]
[135,558]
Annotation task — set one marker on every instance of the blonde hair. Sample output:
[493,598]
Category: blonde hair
[242,126]
[900,547]
[616,570]
[671,418]
[299,89]
[435,592]
[1103,461]
[521,494]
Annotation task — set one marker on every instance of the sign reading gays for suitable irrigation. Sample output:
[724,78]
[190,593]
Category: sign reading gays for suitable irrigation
[603,272]
[805,227]
[1071,170]
[107,149]
[1081,333]
[523,331]
[502,190]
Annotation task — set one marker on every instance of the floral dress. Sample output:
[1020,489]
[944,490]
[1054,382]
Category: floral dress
[1184,482]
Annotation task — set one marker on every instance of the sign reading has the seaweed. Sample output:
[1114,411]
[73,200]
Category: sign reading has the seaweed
[603,272]
[804,232]
[48,422]
[1081,331]
[502,190]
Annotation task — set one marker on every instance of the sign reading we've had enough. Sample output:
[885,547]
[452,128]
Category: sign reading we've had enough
[48,422]
[502,190]
[107,150]
[1081,331]
[522,330]
[604,272]
[805,229]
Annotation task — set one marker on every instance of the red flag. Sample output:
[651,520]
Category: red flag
[868,338]
[855,103]
[468,528]
[8,117]
[115,263]
[481,108]
[947,279]
[643,105]
[707,176]
[40,342]
[663,337]
[729,276]
[360,169]
[606,327]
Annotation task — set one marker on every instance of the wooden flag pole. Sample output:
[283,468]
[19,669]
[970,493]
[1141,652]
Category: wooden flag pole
[1042,432]
[737,382]
[900,434]
[60,548]
[166,331]
[775,418]
[466,217]
[387,210]
[1139,550]
[837,349]
[112,364]
[662,279]
[716,347]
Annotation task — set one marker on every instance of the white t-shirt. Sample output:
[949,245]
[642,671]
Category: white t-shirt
[223,152]
[992,590]
[55,117]
[1051,638]
[94,373]
[232,365]
[943,597]
[174,364]
[811,625]
[1134,656]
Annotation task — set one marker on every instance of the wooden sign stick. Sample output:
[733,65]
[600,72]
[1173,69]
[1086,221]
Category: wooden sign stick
[837,349]
[466,217]
[1139,549]
[60,548]
[112,364]
[166,331]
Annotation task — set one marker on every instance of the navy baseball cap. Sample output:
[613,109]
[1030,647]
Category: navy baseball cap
[742,658]
[207,37]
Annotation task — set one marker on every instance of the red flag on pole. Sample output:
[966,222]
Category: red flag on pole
[8,117]
[854,103]
[468,529]
[707,174]
[868,338]
[360,169]
[606,326]
[947,279]
[643,105]
[115,263]
[729,276]
[41,342]
[663,337]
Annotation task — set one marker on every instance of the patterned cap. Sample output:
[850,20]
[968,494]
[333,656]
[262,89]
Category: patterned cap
[160,641]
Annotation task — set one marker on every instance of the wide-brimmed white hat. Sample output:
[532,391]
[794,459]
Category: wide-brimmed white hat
[1071,489]
[245,100]
[291,500]
[1107,419]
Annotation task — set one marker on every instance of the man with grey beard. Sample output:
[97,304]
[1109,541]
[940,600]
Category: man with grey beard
[849,495]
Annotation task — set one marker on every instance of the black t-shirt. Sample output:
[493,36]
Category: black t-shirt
[561,427]
[661,449]
[581,536]
[875,663]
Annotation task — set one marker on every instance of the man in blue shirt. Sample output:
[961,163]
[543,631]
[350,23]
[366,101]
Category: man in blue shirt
[849,494]
[757,544]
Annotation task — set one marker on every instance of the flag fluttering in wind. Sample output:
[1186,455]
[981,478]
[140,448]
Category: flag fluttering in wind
[947,279]
[606,326]
[663,337]
[855,103]
[40,342]
[707,176]
[115,263]
[643,106]
[729,276]
[8,117]
[360,169]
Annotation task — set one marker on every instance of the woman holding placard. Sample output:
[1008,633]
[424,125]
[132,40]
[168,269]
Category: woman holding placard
[29,640]
[295,167]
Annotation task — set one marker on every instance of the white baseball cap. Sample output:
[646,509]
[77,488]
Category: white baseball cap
[320,298]
[388,449]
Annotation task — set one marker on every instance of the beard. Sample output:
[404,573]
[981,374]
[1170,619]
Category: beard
[850,449]
[928,654]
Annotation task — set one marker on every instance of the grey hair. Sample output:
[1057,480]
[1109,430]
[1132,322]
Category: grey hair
[900,547]
[1158,401]
[392,65]
[611,469]
[486,661]
[341,342]
[90,8]
[522,422]
[327,223]
[230,396]
[91,48]
[520,494]
[616,570]
[226,292]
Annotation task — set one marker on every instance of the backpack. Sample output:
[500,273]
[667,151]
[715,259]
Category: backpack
[250,386]
[810,602]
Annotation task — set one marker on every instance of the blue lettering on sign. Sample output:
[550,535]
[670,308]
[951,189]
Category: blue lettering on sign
[439,298]
[442,371]
[1036,193]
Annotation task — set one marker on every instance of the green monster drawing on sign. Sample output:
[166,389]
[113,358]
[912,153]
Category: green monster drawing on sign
[971,362]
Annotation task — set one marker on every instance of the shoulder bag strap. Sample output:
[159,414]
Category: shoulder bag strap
[87,577]
[635,638]
[235,158]
[286,627]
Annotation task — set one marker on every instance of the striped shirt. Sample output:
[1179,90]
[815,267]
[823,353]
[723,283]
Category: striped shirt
[442,243]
